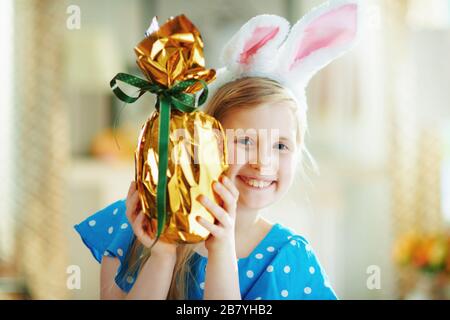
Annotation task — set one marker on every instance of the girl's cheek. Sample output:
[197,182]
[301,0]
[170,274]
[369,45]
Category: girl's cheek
[286,176]
[231,155]
[232,171]
[287,166]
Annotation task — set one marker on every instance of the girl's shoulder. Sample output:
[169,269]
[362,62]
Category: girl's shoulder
[285,237]
[292,247]
[288,268]
[297,257]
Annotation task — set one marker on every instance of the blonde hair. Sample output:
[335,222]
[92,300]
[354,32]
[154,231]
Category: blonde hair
[250,92]
[245,92]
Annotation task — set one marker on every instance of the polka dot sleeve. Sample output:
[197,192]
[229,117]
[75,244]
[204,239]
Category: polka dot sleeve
[108,233]
[294,273]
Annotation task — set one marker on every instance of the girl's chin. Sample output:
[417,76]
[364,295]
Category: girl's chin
[253,203]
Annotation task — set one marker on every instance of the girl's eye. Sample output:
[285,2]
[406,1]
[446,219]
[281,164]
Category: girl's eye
[281,146]
[245,141]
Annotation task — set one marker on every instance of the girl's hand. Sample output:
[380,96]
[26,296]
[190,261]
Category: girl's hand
[141,224]
[222,234]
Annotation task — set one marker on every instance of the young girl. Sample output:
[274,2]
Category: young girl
[260,90]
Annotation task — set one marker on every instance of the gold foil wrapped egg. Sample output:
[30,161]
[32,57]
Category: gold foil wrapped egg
[197,157]
[171,57]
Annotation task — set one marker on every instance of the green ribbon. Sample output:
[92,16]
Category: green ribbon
[168,98]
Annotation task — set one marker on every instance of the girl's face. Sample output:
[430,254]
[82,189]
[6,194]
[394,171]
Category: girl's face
[262,152]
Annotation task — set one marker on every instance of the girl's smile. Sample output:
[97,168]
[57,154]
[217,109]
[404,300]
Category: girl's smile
[257,184]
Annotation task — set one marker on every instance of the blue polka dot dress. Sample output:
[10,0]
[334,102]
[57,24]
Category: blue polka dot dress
[282,266]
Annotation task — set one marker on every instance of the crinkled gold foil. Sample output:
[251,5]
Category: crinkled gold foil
[197,145]
[174,53]
[197,157]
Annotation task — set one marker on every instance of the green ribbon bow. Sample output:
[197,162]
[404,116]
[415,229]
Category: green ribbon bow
[167,98]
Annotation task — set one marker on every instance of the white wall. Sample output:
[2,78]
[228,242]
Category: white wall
[6,105]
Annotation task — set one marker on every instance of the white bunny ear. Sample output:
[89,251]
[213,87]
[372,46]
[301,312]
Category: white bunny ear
[321,36]
[255,45]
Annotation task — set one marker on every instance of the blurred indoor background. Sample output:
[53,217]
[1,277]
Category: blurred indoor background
[378,214]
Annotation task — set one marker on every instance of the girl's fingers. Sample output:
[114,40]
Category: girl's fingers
[211,227]
[145,223]
[229,201]
[131,191]
[140,226]
[131,204]
[131,188]
[218,212]
[230,186]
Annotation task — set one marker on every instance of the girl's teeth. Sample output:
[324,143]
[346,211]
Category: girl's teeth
[257,183]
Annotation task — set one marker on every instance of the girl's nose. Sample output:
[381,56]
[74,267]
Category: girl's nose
[265,162]
[263,169]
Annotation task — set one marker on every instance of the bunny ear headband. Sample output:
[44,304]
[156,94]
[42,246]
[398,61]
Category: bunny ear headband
[264,47]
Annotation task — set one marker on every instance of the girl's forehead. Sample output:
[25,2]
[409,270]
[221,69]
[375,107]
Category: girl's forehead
[279,116]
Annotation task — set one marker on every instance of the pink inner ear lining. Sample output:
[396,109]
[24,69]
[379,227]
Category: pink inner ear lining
[260,36]
[334,28]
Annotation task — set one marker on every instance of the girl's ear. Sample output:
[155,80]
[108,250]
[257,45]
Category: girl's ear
[321,36]
[255,45]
